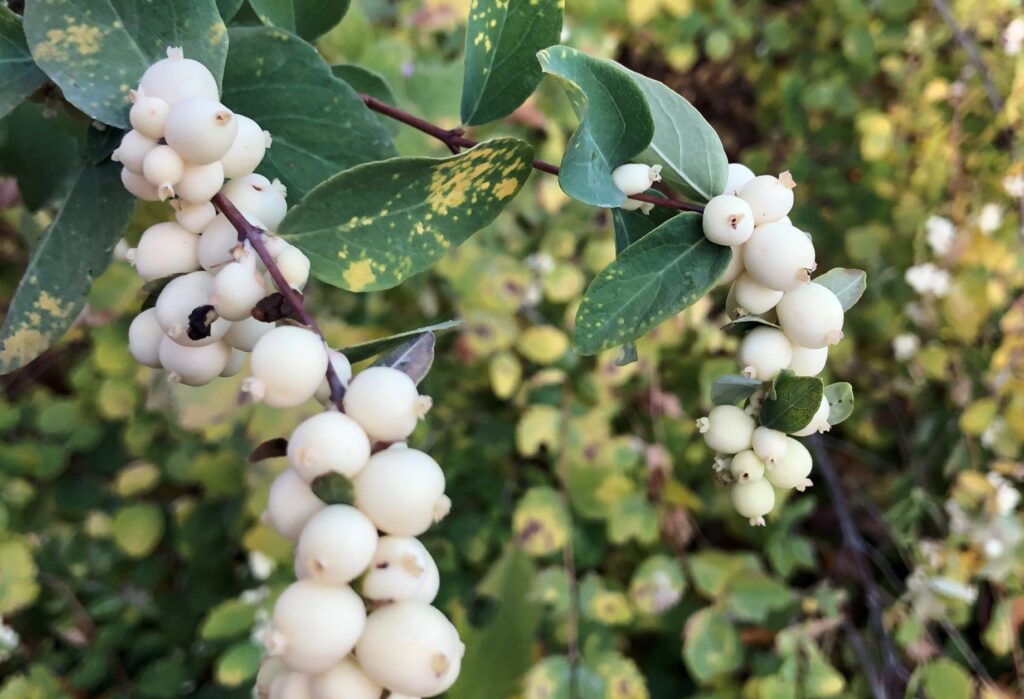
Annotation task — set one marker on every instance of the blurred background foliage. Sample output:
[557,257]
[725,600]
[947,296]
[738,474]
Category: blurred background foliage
[590,552]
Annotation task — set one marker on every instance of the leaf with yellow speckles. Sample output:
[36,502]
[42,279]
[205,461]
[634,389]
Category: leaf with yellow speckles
[97,51]
[318,123]
[615,123]
[653,279]
[20,76]
[376,225]
[73,252]
[502,41]
[307,18]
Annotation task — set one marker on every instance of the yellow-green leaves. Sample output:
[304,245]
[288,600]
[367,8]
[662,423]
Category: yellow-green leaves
[138,529]
[20,75]
[540,523]
[792,402]
[74,251]
[615,123]
[307,18]
[97,51]
[654,278]
[711,645]
[18,586]
[502,40]
[840,400]
[847,284]
[375,225]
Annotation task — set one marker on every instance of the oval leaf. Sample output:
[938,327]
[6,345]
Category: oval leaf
[741,326]
[282,83]
[631,226]
[502,41]
[375,225]
[847,284]
[793,402]
[365,350]
[615,123]
[413,358]
[840,400]
[653,279]
[20,76]
[307,18]
[711,645]
[97,51]
[731,389]
[74,251]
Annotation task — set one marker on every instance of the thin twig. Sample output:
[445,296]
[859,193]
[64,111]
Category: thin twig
[572,633]
[455,140]
[973,53]
[254,236]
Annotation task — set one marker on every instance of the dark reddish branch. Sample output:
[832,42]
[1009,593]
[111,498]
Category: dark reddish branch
[254,236]
[455,139]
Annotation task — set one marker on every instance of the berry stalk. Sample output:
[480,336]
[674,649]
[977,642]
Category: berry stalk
[254,236]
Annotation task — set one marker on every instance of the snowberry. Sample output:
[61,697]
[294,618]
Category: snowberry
[779,256]
[727,429]
[636,178]
[645,207]
[133,151]
[275,244]
[401,490]
[402,570]
[735,268]
[330,442]
[235,363]
[346,680]
[148,114]
[193,366]
[247,150]
[290,685]
[194,217]
[314,625]
[752,297]
[287,365]
[236,289]
[818,423]
[201,129]
[770,445]
[770,198]
[386,403]
[294,266]
[739,176]
[746,466]
[165,249]
[244,334]
[163,168]
[291,504]
[200,183]
[808,362]
[271,667]
[218,243]
[336,545]
[728,220]
[342,369]
[764,352]
[412,648]
[754,500]
[144,336]
[811,316]
[138,186]
[792,469]
[176,77]
[176,306]
[259,199]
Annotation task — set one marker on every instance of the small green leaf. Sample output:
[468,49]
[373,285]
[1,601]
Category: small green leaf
[711,645]
[365,350]
[74,251]
[711,570]
[741,326]
[821,680]
[20,76]
[944,679]
[282,83]
[731,389]
[652,280]
[847,284]
[754,596]
[138,529]
[632,518]
[502,41]
[615,123]
[97,51]
[334,489]
[307,18]
[228,619]
[18,586]
[795,400]
[238,664]
[376,225]
[840,400]
[370,83]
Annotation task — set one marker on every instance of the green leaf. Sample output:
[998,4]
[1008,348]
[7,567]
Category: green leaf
[615,123]
[376,225]
[711,645]
[229,618]
[847,284]
[18,586]
[137,529]
[368,82]
[821,680]
[632,517]
[413,357]
[741,326]
[653,279]
[20,76]
[502,41]
[318,123]
[229,8]
[97,51]
[40,153]
[365,350]
[795,400]
[631,226]
[840,400]
[712,570]
[754,596]
[74,251]
[731,389]
[238,664]
[944,679]
[307,18]
[684,143]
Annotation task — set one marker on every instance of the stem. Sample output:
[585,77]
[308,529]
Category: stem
[455,140]
[572,621]
[254,236]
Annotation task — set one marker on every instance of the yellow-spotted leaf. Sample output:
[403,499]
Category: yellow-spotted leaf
[540,523]
[543,344]
[540,426]
[506,373]
[375,225]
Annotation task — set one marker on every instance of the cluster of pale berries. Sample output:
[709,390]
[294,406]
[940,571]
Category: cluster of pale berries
[182,146]
[323,645]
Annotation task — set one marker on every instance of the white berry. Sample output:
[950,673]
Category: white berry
[764,352]
[808,362]
[735,268]
[792,469]
[163,168]
[727,429]
[752,297]
[636,178]
[148,114]
[236,289]
[727,220]
[336,545]
[291,504]
[244,334]
[235,363]
[138,186]
[401,490]
[133,151]
[818,423]
[287,366]
[271,667]
[739,176]
[779,256]
[165,249]
[200,183]
[811,316]
[402,570]
[342,369]
[770,445]
[218,243]
[746,467]
[247,150]
[386,403]
[314,625]
[177,302]
[176,77]
[294,267]
[412,648]
[193,217]
[290,685]
[770,198]
[329,442]
[346,680]
[261,201]
[201,129]
[754,500]
[144,336]
[193,366]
